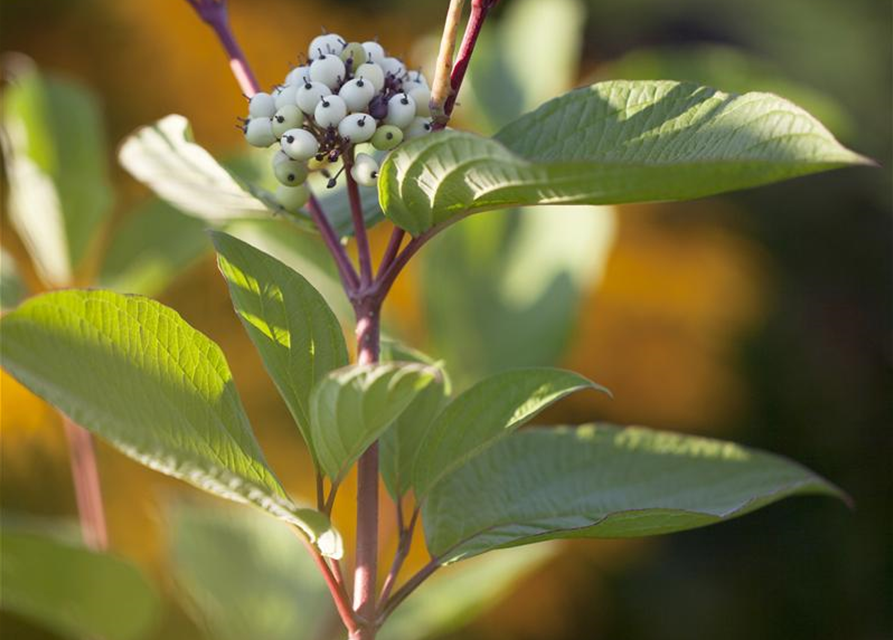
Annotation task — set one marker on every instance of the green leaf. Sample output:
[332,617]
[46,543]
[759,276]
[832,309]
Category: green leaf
[245,577]
[54,151]
[599,481]
[399,445]
[74,591]
[12,287]
[613,142]
[135,373]
[296,333]
[457,595]
[351,407]
[485,413]
[152,247]
[165,157]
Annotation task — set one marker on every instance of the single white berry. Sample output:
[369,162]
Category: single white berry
[371,72]
[364,170]
[328,69]
[409,86]
[417,76]
[298,75]
[285,95]
[419,127]
[422,96]
[392,66]
[292,198]
[357,93]
[309,95]
[299,144]
[259,132]
[290,172]
[288,117]
[374,51]
[387,137]
[358,127]
[261,105]
[280,156]
[330,110]
[325,44]
[401,111]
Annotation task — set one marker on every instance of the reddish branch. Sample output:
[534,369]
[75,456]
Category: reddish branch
[87,490]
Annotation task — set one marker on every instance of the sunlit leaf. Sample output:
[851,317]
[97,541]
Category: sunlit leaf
[613,142]
[486,413]
[246,577]
[135,373]
[58,186]
[351,407]
[74,591]
[152,247]
[600,481]
[296,333]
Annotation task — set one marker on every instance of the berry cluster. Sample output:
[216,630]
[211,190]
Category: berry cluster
[347,93]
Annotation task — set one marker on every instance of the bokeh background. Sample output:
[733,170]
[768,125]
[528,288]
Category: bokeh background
[762,317]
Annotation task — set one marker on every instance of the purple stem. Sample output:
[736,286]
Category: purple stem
[393,247]
[216,15]
[359,223]
[348,274]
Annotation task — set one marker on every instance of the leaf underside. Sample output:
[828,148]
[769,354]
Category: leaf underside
[601,481]
[610,143]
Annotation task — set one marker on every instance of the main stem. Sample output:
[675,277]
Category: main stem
[366,571]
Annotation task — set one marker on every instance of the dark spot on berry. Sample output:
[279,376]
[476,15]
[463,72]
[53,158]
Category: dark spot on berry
[289,139]
[361,122]
[374,175]
[405,99]
[389,135]
[280,119]
[308,86]
[360,83]
[291,177]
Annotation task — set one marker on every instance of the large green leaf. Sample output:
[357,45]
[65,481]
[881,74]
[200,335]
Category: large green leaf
[351,407]
[54,151]
[399,445]
[485,413]
[246,577]
[152,247]
[602,481]
[613,142]
[135,373]
[296,333]
[74,591]
[165,157]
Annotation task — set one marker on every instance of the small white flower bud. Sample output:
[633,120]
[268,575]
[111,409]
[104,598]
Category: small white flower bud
[299,144]
[330,110]
[259,132]
[261,105]
[401,111]
[373,73]
[358,127]
[328,69]
[357,93]
[309,94]
[364,170]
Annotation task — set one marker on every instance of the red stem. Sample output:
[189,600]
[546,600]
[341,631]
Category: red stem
[359,223]
[339,595]
[345,269]
[87,490]
[403,547]
[393,247]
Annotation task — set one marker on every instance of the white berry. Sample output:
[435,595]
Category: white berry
[291,172]
[326,43]
[417,76]
[374,51]
[373,73]
[357,93]
[309,95]
[285,95]
[292,198]
[392,66]
[330,111]
[299,144]
[358,127]
[259,132]
[328,69]
[422,96]
[386,137]
[288,117]
[401,111]
[419,127]
[298,75]
[261,105]
[280,156]
[364,170]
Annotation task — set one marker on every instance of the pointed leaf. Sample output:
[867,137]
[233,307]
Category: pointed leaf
[135,373]
[351,407]
[165,157]
[74,591]
[485,413]
[600,481]
[295,331]
[54,152]
[610,143]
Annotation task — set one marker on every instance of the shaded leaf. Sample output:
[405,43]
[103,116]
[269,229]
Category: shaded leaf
[600,481]
[54,152]
[74,591]
[12,287]
[296,333]
[613,142]
[351,407]
[485,413]
[135,373]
